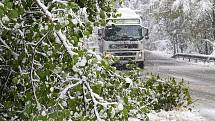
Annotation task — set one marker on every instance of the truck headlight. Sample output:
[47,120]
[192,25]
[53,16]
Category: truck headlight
[140,55]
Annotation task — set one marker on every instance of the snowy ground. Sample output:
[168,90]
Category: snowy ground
[173,116]
[176,116]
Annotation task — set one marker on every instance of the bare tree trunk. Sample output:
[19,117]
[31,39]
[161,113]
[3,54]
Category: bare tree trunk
[206,44]
[206,48]
[174,45]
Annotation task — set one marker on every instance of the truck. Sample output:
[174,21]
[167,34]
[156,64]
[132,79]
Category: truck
[124,37]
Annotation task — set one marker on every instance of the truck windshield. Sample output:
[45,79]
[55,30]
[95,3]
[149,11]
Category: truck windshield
[123,32]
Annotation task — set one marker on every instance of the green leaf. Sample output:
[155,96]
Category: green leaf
[74,6]
[87,33]
[14,13]
[102,14]
[1,12]
[125,113]
[53,115]
[9,4]
[97,88]
[8,104]
[126,100]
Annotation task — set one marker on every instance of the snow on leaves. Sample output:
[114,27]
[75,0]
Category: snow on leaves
[56,84]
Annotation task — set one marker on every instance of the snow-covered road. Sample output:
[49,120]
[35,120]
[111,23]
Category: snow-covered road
[201,79]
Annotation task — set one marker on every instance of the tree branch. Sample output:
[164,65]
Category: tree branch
[84,98]
[1,4]
[60,1]
[8,47]
[7,79]
[63,39]
[93,99]
[60,35]
[32,69]
[69,49]
[45,10]
[69,87]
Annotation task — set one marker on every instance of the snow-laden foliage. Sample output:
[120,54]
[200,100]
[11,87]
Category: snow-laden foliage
[205,9]
[186,23]
[184,4]
[166,95]
[46,74]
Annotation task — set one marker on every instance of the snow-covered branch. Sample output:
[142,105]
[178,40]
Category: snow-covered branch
[76,17]
[3,26]
[1,4]
[94,100]
[32,69]
[60,35]
[32,81]
[8,47]
[45,10]
[62,94]
[84,97]
[63,39]
[60,1]
[101,100]
[212,43]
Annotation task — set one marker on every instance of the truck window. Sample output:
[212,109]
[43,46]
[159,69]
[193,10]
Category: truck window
[123,32]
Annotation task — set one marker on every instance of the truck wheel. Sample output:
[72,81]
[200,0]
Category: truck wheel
[140,64]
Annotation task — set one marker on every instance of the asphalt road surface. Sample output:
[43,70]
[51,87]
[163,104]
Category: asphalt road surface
[201,79]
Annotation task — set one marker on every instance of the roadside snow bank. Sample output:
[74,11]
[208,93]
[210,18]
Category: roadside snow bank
[173,116]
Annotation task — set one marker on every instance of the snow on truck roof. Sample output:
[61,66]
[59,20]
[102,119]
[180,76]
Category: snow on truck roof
[127,13]
[128,16]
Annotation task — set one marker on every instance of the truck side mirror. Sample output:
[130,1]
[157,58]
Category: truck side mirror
[145,33]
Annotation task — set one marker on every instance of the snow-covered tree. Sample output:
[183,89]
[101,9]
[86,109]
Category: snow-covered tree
[45,71]
[184,22]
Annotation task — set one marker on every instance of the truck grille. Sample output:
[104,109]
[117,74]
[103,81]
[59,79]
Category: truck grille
[127,58]
[121,46]
[125,54]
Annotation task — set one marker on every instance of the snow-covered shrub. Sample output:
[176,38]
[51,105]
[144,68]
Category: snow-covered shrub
[141,96]
[166,94]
